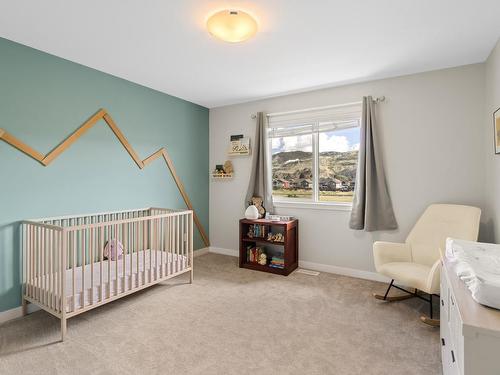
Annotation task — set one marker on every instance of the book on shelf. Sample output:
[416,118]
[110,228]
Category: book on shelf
[254,252]
[259,231]
[277,262]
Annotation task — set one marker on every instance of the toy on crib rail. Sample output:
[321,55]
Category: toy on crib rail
[113,250]
[276,237]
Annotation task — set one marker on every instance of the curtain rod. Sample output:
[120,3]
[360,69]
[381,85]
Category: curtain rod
[377,100]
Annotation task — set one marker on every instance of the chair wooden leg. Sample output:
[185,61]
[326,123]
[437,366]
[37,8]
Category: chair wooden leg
[429,321]
[388,298]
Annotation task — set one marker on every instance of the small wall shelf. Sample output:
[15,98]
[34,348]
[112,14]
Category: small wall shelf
[221,176]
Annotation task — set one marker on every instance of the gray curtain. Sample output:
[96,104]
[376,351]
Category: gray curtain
[260,184]
[371,206]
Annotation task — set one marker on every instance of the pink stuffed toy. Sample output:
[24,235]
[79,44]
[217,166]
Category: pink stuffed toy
[113,250]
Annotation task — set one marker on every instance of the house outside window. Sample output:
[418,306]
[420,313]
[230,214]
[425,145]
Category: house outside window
[314,154]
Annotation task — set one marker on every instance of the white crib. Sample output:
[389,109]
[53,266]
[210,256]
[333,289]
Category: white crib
[66,273]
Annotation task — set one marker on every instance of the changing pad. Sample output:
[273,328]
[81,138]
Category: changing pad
[478,266]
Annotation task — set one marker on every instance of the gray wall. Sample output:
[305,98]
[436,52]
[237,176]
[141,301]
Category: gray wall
[492,165]
[432,138]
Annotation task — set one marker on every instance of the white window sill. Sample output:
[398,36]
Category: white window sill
[313,205]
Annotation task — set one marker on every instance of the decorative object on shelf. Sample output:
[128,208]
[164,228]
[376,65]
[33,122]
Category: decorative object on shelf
[496,125]
[263,259]
[280,218]
[257,202]
[223,171]
[252,213]
[239,146]
[276,237]
[102,114]
[228,167]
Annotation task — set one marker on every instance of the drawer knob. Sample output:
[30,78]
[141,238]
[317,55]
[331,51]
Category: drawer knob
[442,302]
[453,356]
[443,342]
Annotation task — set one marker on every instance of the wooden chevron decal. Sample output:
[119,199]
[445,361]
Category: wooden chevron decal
[102,114]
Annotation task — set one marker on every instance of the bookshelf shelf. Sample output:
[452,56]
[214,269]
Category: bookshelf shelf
[289,248]
[263,240]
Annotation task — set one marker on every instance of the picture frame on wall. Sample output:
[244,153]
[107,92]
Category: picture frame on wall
[496,126]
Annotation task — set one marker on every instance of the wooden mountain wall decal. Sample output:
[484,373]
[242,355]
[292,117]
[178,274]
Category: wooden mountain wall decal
[102,114]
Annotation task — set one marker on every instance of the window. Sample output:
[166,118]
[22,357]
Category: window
[314,154]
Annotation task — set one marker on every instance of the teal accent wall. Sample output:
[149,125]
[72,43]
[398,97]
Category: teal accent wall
[43,99]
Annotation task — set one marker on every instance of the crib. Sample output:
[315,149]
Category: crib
[65,268]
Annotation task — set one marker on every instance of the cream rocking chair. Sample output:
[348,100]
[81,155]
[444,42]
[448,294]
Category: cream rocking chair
[416,263]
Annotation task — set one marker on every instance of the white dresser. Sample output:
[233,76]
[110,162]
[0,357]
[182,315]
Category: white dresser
[470,332]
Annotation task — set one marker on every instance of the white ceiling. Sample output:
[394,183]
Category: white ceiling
[301,44]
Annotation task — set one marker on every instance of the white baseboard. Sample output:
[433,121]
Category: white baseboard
[360,274]
[201,251]
[16,312]
[352,272]
[222,251]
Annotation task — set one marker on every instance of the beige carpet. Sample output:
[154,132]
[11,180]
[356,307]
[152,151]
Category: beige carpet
[231,321]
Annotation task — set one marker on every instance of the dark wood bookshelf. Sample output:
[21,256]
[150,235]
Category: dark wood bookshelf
[289,247]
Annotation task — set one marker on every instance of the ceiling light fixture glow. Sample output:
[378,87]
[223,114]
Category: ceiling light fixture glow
[232,26]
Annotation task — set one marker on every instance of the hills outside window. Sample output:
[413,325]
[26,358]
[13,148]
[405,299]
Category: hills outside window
[338,161]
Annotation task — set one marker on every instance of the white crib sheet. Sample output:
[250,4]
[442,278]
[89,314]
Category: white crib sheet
[143,268]
[478,266]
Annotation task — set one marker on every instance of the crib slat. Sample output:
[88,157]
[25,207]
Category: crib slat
[124,236]
[191,247]
[108,236]
[29,259]
[137,238]
[130,250]
[162,232]
[101,250]
[115,237]
[73,271]
[84,243]
[92,260]
[150,245]
[49,271]
[144,245]
[157,248]
[177,243]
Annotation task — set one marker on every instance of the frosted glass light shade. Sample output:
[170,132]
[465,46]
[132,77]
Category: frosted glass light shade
[232,26]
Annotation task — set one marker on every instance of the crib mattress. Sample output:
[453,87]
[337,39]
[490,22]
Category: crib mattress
[478,266]
[140,268]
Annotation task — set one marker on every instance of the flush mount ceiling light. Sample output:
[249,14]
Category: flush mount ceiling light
[232,25]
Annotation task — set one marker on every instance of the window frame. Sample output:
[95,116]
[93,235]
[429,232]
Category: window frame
[336,114]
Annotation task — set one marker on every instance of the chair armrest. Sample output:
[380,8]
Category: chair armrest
[387,252]
[433,280]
